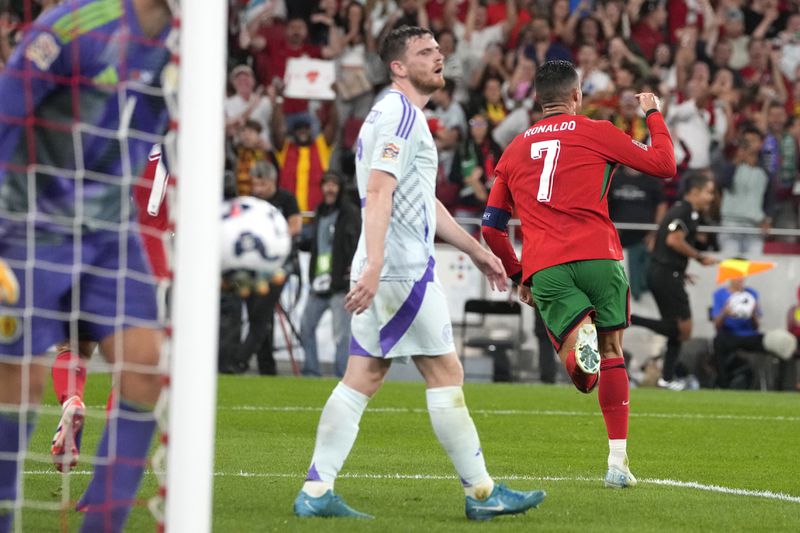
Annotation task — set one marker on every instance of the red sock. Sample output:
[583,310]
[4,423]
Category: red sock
[110,402]
[69,376]
[583,382]
[614,397]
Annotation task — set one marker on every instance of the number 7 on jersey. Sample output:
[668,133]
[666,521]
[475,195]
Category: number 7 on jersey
[550,150]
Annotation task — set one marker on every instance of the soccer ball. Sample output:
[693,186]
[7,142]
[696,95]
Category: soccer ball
[255,236]
[742,304]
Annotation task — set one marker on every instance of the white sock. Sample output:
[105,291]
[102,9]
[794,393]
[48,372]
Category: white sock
[336,433]
[456,432]
[617,452]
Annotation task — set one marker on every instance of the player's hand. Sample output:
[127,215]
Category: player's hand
[707,260]
[9,287]
[491,267]
[360,296]
[525,295]
[648,101]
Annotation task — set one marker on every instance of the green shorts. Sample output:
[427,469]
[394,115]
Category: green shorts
[565,294]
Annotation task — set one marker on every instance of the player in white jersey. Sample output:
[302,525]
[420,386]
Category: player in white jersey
[399,305]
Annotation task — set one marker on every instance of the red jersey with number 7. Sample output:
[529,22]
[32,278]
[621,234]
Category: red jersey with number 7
[557,174]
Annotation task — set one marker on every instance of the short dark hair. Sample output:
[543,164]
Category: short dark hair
[394,45]
[554,82]
[694,180]
[254,125]
[749,128]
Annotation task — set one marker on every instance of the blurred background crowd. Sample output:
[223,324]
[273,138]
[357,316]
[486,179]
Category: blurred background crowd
[726,72]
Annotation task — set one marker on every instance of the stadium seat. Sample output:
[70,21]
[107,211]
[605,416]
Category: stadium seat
[496,342]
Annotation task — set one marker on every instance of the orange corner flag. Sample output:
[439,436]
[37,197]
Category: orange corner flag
[738,268]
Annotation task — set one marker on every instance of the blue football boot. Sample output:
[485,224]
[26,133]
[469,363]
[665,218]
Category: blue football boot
[502,501]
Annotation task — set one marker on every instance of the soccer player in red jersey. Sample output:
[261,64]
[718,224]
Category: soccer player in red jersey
[557,174]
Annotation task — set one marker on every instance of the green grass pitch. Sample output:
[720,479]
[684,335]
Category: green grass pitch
[739,449]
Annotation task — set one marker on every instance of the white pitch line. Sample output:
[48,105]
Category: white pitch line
[518,412]
[767,494]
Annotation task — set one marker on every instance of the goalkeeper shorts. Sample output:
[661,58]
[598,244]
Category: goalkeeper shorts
[110,289]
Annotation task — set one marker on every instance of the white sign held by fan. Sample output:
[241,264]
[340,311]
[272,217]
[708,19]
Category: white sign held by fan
[309,79]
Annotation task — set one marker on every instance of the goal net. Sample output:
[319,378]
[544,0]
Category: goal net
[109,198]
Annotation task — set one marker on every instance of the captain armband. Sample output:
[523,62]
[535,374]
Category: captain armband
[495,217]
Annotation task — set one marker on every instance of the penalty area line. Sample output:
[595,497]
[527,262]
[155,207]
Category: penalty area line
[766,494]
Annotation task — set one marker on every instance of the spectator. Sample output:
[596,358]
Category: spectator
[781,159]
[249,152]
[736,311]
[648,32]
[520,86]
[559,19]
[332,241]
[491,66]
[476,35]
[789,42]
[595,83]
[479,156]
[234,355]
[543,47]
[355,91]
[455,66]
[763,71]
[247,104]
[638,198]
[676,243]
[734,32]
[271,52]
[746,197]
[764,19]
[698,123]
[302,158]
[450,129]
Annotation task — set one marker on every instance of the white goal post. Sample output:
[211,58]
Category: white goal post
[195,303]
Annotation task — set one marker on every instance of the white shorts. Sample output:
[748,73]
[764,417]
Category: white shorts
[405,319]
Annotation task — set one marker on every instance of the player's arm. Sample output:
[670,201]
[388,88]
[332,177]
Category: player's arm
[451,232]
[676,240]
[658,159]
[494,227]
[378,211]
[34,68]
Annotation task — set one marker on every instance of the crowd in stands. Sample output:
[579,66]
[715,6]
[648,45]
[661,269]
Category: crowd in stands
[726,72]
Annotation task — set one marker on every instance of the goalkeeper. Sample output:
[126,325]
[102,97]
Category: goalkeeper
[68,235]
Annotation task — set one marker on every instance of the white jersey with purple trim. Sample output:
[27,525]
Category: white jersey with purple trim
[395,138]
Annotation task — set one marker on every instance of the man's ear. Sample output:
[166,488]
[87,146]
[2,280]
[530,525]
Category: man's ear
[397,69]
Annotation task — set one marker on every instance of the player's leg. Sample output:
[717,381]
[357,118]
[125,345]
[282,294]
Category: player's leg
[135,346]
[456,432]
[341,333]
[613,395]
[22,378]
[336,434]
[607,287]
[430,333]
[69,380]
[14,424]
[127,436]
[568,313]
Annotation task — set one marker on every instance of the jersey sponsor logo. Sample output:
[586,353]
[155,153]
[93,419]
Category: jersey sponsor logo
[551,128]
[43,50]
[640,145]
[390,152]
